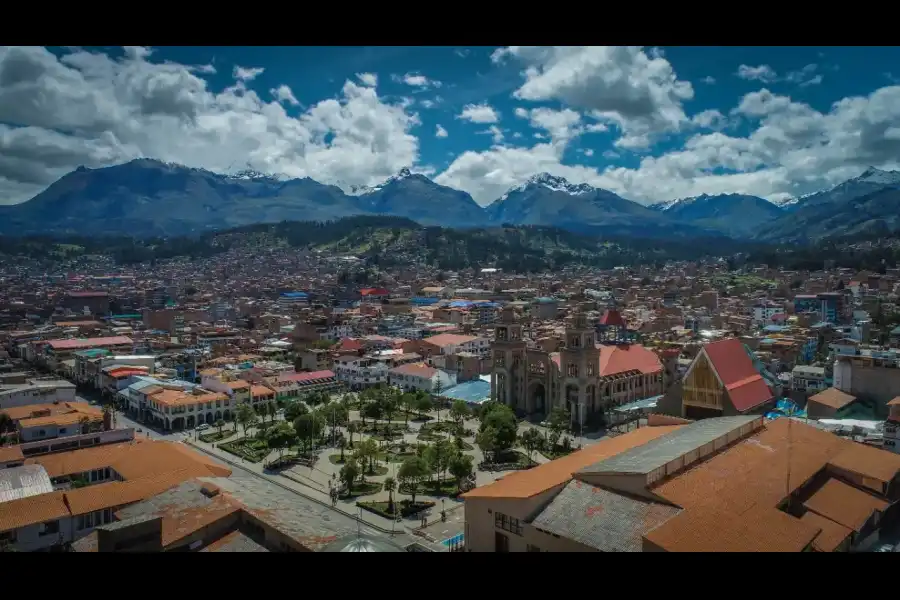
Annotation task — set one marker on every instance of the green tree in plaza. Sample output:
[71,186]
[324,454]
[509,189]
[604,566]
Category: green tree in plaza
[532,440]
[502,421]
[459,412]
[352,428]
[411,474]
[294,410]
[280,437]
[408,402]
[245,417]
[348,474]
[219,425]
[390,485]
[308,428]
[461,467]
[486,441]
[423,404]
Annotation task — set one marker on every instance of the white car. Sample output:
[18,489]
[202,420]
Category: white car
[203,427]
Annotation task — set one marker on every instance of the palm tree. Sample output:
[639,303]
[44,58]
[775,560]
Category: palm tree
[390,484]
[351,429]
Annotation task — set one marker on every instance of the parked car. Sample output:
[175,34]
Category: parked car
[203,427]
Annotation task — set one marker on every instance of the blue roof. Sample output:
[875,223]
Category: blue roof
[295,295]
[423,300]
[545,300]
[461,304]
[488,305]
[775,328]
[475,391]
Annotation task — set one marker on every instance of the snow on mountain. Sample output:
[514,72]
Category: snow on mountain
[553,183]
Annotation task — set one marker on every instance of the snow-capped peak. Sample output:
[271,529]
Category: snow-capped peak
[552,182]
[877,176]
[253,175]
[362,190]
[666,204]
[785,202]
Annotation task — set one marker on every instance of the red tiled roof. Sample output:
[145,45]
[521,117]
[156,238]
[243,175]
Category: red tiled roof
[350,344]
[632,357]
[745,385]
[304,377]
[374,292]
[449,339]
[415,370]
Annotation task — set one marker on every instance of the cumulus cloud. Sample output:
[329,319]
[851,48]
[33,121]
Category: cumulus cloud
[479,113]
[440,132]
[247,74]
[637,91]
[369,79]
[417,80]
[88,108]
[58,112]
[763,73]
[284,94]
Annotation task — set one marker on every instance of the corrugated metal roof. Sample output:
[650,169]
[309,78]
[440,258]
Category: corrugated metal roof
[24,482]
[663,450]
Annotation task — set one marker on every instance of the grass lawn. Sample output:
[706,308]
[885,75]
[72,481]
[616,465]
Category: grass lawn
[209,438]
[364,489]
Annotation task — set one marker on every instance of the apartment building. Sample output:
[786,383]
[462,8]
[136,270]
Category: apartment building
[892,427]
[451,343]
[290,386]
[716,485]
[51,353]
[50,421]
[358,372]
[807,379]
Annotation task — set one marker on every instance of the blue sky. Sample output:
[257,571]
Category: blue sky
[651,124]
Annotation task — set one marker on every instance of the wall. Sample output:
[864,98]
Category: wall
[479,516]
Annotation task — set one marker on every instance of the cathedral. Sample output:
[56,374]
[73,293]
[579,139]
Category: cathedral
[597,368]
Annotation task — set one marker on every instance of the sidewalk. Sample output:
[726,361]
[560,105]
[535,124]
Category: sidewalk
[299,488]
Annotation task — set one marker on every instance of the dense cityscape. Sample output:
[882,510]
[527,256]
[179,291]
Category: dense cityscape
[597,321]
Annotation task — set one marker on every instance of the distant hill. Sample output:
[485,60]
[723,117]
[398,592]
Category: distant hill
[866,205]
[384,242]
[549,200]
[734,215]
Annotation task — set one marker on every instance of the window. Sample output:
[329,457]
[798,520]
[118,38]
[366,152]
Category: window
[532,548]
[507,523]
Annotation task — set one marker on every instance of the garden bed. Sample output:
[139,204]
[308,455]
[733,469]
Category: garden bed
[363,489]
[404,508]
[246,448]
[511,460]
[437,488]
[210,438]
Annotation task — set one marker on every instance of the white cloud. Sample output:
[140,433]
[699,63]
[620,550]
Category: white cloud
[246,74]
[561,125]
[440,132]
[709,119]
[284,94]
[763,73]
[417,80]
[495,132]
[479,113]
[91,109]
[369,79]
[637,91]
[708,80]
[588,152]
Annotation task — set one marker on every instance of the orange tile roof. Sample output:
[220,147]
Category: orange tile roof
[81,460]
[868,461]
[11,454]
[833,398]
[449,339]
[760,529]
[525,484]
[833,534]
[115,494]
[260,390]
[844,504]
[632,357]
[32,510]
[238,384]
[61,420]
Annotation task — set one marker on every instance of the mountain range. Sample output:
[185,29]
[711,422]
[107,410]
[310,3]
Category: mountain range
[147,197]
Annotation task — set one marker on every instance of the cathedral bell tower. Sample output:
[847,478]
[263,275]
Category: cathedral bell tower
[579,362]
[508,356]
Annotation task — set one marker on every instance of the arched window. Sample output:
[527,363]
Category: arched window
[572,371]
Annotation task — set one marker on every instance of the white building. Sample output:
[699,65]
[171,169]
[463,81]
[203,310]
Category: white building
[892,427]
[24,391]
[358,372]
[810,380]
[419,376]
[763,313]
[452,343]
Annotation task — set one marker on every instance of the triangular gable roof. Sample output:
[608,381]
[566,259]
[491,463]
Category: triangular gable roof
[736,372]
